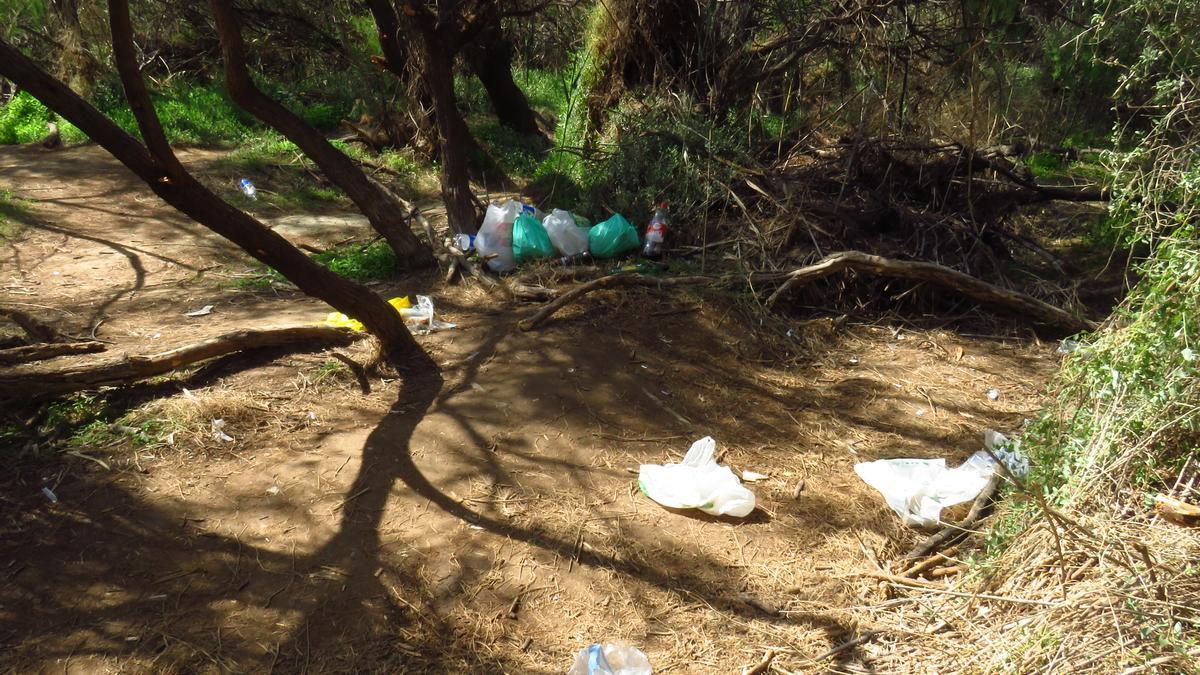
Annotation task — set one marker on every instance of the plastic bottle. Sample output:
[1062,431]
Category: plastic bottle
[656,232]
[584,258]
[248,188]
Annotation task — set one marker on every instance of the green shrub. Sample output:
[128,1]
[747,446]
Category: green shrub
[361,263]
[23,120]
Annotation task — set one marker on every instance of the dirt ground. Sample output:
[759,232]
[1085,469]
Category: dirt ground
[490,522]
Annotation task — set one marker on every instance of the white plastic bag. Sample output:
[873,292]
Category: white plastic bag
[494,240]
[918,489]
[698,483]
[421,316]
[610,659]
[567,237]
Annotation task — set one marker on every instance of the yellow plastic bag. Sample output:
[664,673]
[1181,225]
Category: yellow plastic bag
[339,320]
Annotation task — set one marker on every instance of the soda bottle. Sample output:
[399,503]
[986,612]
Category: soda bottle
[656,232]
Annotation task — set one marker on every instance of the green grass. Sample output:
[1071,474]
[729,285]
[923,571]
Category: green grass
[11,211]
[357,262]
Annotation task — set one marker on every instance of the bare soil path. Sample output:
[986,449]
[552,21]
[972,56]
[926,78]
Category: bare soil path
[487,522]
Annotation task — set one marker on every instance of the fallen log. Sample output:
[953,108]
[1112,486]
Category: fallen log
[34,328]
[976,289]
[47,350]
[965,284]
[36,382]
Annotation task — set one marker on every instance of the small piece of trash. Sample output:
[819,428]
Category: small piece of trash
[312,415]
[218,431]
[171,438]
[187,393]
[1067,346]
[993,394]
[273,490]
[50,495]
[207,309]
[752,476]
[853,360]
[477,387]
[920,412]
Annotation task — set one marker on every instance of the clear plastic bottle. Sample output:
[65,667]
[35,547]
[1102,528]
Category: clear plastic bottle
[248,188]
[656,233]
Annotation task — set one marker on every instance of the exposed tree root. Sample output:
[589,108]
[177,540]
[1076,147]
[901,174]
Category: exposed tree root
[954,280]
[35,382]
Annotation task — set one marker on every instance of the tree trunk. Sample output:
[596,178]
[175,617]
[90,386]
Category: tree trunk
[76,66]
[438,77]
[170,181]
[386,215]
[456,139]
[490,58]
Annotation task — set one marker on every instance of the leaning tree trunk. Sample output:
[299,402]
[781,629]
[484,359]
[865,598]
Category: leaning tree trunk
[157,165]
[385,213]
[490,58]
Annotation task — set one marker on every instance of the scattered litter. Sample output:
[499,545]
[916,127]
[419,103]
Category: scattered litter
[610,659]
[751,476]
[421,317]
[207,309]
[171,438]
[920,412]
[50,495]
[1067,346]
[273,490]
[853,360]
[218,431]
[918,489]
[247,188]
[697,483]
[465,242]
[477,387]
[993,394]
[187,393]
[312,415]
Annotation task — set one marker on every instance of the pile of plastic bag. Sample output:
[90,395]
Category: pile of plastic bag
[420,318]
[513,233]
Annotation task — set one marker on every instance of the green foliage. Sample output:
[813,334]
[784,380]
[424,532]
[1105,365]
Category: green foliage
[1127,403]
[1044,164]
[190,114]
[361,263]
[23,120]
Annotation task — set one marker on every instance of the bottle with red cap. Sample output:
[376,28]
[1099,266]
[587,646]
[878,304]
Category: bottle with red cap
[656,233]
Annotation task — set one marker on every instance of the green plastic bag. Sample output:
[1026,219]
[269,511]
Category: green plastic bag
[612,237]
[530,240]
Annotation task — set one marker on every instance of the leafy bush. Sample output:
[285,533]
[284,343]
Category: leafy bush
[361,263]
[23,120]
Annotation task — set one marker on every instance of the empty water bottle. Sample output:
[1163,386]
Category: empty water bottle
[465,242]
[248,188]
[656,233]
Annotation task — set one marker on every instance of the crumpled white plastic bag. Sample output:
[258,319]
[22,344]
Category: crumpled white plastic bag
[421,317]
[610,659]
[918,489]
[697,483]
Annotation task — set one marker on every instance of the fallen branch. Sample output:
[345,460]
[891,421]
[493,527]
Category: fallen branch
[953,532]
[610,281]
[47,350]
[33,382]
[965,284]
[976,289]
